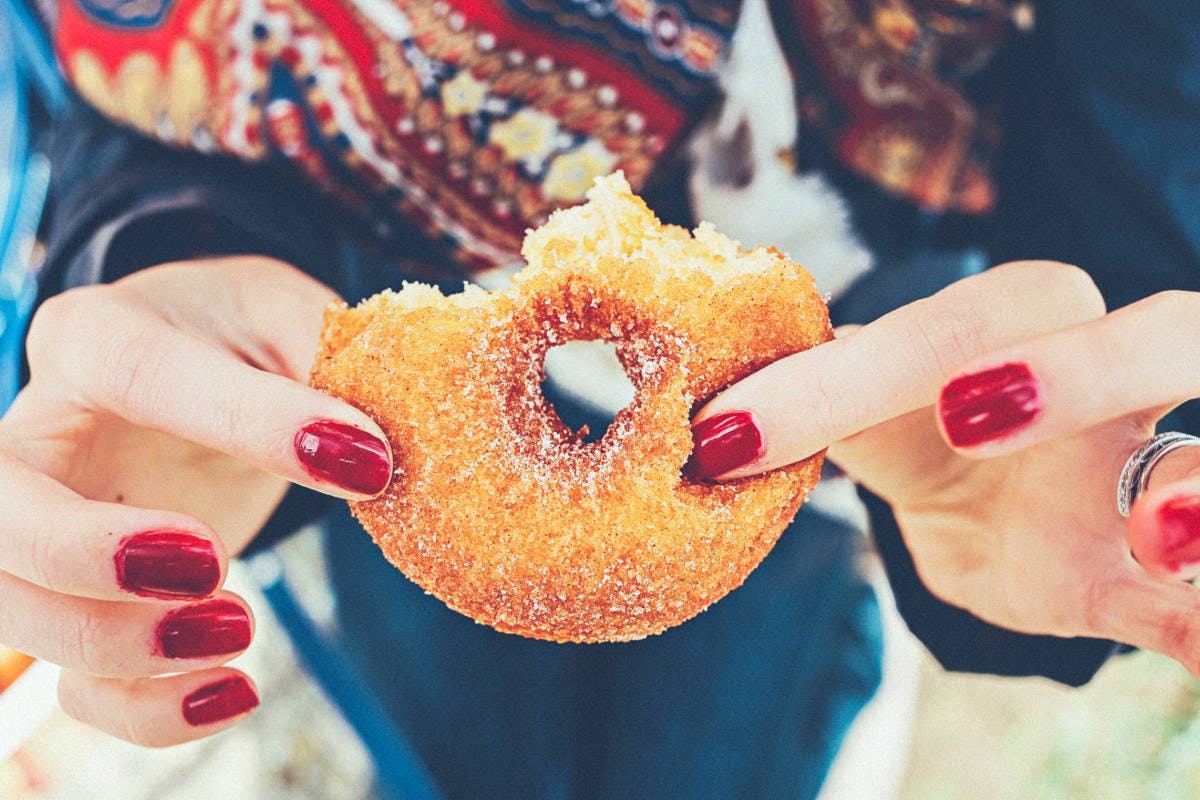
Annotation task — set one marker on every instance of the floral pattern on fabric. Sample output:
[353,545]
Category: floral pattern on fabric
[473,119]
[467,118]
[884,82]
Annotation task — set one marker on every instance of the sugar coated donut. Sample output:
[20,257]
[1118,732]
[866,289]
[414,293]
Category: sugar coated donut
[12,664]
[506,514]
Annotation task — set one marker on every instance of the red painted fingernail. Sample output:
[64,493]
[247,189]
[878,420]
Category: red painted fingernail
[219,701]
[167,564]
[1179,532]
[721,443]
[216,628]
[986,405]
[337,453]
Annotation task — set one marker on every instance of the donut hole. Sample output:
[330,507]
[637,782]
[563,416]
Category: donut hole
[586,385]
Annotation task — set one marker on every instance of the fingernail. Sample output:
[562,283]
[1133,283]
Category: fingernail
[337,453]
[721,443]
[204,630]
[219,701]
[1179,532]
[986,405]
[167,564]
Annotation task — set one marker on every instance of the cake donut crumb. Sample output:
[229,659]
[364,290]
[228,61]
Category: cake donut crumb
[506,514]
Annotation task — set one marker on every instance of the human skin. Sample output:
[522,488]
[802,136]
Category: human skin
[166,414]
[995,418]
[164,418]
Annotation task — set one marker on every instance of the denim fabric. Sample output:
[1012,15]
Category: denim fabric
[750,699]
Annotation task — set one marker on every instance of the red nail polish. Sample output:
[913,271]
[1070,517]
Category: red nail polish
[986,405]
[167,564]
[724,442]
[1179,532]
[215,628]
[337,453]
[219,701]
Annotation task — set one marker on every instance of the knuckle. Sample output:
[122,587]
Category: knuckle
[128,364]
[266,271]
[1045,271]
[1068,289]
[99,341]
[1076,290]
[234,419]
[58,317]
[1179,636]
[72,699]
[1098,607]
[253,262]
[86,643]
[1175,305]
[78,698]
[825,411]
[949,335]
[43,561]
[138,728]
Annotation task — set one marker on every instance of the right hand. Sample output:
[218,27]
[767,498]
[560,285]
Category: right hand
[995,417]
[164,417]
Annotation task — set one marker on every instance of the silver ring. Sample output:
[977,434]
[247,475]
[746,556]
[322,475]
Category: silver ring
[1135,476]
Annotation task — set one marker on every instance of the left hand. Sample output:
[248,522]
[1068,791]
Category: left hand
[164,417]
[995,417]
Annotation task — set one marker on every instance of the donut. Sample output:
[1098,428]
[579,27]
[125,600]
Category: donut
[12,664]
[506,514]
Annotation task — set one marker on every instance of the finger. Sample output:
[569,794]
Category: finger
[800,404]
[1140,358]
[1164,524]
[1163,616]
[267,312]
[911,439]
[122,640]
[106,551]
[158,376]
[157,712]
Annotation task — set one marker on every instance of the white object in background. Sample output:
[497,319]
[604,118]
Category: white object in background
[590,373]
[874,755]
[26,704]
[740,183]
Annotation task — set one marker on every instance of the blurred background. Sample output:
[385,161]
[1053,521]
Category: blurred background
[1132,733]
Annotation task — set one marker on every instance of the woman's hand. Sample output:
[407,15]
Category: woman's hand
[164,418]
[995,417]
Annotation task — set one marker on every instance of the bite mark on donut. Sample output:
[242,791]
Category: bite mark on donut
[499,508]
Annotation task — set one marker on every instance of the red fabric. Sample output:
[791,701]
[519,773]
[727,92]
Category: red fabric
[888,91]
[471,120]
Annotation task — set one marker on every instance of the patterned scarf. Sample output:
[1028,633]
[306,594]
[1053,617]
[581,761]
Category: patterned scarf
[475,118]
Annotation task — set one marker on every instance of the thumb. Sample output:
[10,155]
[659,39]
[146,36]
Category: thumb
[216,352]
